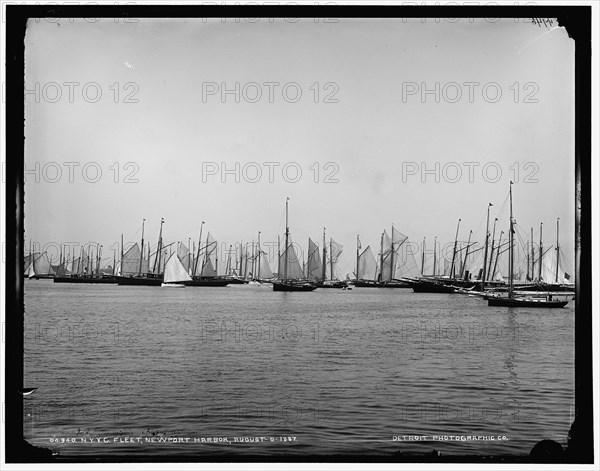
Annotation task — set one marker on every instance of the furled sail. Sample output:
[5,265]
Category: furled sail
[367,266]
[314,268]
[175,271]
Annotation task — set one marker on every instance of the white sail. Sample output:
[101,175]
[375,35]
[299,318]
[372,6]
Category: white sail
[314,268]
[61,269]
[30,271]
[130,264]
[265,269]
[41,265]
[386,258]
[549,268]
[29,260]
[184,256]
[407,266]
[84,262]
[367,266]
[335,250]
[209,267]
[294,268]
[174,271]
[75,265]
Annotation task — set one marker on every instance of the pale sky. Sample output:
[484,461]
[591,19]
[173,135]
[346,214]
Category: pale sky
[371,138]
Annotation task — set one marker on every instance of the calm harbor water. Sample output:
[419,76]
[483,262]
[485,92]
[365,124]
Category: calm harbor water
[156,371]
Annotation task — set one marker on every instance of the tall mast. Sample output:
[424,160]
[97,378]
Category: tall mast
[325,257]
[331,257]
[497,254]
[423,257]
[541,253]
[159,249]
[189,254]
[528,258]
[278,257]
[557,251]
[381,259]
[287,231]
[141,248]
[245,265]
[198,254]
[392,271]
[511,260]
[357,254]
[258,255]
[217,259]
[206,256]
[532,257]
[485,254]
[464,264]
[98,254]
[434,253]
[114,261]
[492,249]
[121,268]
[454,251]
[253,266]
[228,265]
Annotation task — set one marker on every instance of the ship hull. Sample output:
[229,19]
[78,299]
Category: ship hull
[139,281]
[334,284]
[425,287]
[281,286]
[207,282]
[86,280]
[379,284]
[515,302]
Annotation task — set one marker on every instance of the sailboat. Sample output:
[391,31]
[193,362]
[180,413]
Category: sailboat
[366,267]
[208,268]
[292,279]
[389,254]
[330,259]
[175,273]
[261,263]
[519,300]
[371,275]
[135,256]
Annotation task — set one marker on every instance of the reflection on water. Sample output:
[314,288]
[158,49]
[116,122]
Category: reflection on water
[242,369]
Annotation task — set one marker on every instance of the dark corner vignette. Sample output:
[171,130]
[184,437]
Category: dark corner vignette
[577,21]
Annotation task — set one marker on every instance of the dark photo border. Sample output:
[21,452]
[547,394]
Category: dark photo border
[578,22]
